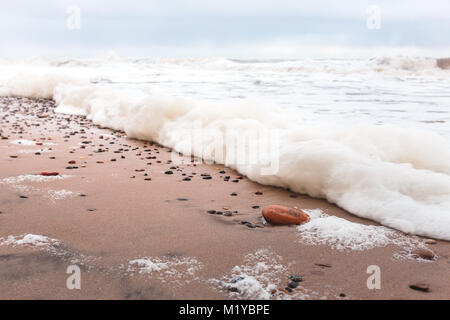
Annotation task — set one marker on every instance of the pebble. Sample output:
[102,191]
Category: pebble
[168,172]
[227,213]
[324,265]
[258,193]
[91,209]
[293,284]
[211,211]
[430,241]
[255,207]
[23,197]
[424,254]
[248,224]
[420,286]
[234,194]
[182,199]
[296,278]
[277,214]
[207,177]
[46,174]
[186,179]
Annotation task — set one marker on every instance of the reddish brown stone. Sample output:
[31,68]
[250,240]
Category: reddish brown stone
[277,214]
[49,173]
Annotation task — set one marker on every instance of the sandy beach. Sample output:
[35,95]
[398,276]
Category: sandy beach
[141,227]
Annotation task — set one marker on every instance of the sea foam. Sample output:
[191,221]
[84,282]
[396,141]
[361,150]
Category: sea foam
[396,176]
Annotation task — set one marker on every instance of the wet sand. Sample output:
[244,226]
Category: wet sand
[120,204]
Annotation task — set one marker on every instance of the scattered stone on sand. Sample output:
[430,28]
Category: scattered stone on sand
[423,253]
[13,156]
[91,209]
[293,284]
[420,286]
[168,172]
[233,194]
[23,197]
[186,179]
[72,162]
[211,211]
[282,215]
[255,207]
[258,193]
[182,199]
[227,213]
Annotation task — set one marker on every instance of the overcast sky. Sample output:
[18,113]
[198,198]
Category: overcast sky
[231,28]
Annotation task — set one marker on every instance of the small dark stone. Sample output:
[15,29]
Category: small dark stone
[23,197]
[234,194]
[219,212]
[420,287]
[236,181]
[168,172]
[255,207]
[288,289]
[207,177]
[222,171]
[342,295]
[211,211]
[83,195]
[182,199]
[258,193]
[296,278]
[186,179]
[91,209]
[293,284]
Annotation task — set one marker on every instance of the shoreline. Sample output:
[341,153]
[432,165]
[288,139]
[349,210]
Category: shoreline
[106,219]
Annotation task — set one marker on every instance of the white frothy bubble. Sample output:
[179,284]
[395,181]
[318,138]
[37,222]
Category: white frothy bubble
[341,234]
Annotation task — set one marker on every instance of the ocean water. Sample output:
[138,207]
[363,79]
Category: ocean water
[370,135]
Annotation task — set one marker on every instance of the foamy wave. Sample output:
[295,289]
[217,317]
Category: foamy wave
[397,177]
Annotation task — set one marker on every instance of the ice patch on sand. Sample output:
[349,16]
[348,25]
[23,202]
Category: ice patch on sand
[33,178]
[341,234]
[173,269]
[55,195]
[25,142]
[52,246]
[44,150]
[260,277]
[29,240]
